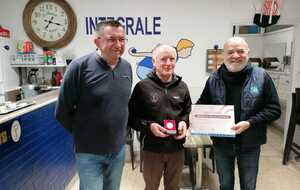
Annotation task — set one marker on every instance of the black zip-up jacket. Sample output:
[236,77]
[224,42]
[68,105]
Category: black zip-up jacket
[153,101]
[259,103]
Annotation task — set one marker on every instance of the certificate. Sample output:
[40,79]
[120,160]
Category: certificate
[212,120]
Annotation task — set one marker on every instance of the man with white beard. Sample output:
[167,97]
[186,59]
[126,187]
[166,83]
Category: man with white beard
[256,104]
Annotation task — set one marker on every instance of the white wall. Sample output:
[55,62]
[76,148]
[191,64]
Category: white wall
[201,21]
[206,23]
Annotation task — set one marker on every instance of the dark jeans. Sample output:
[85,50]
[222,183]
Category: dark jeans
[247,162]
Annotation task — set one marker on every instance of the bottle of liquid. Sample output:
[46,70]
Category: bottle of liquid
[45,58]
[22,93]
[50,57]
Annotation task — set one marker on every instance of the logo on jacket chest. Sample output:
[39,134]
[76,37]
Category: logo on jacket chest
[254,90]
[175,96]
[154,97]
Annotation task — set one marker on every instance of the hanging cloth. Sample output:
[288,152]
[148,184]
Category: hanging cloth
[267,12]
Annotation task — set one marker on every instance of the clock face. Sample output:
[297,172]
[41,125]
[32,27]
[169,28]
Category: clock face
[49,21]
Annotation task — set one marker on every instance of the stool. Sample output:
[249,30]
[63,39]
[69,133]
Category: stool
[294,120]
[211,155]
[194,155]
[129,141]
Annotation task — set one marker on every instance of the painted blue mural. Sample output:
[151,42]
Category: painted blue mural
[184,49]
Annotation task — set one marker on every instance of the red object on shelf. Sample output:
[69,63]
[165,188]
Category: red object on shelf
[27,47]
[4,32]
[56,78]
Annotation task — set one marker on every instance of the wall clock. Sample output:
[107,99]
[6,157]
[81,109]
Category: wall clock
[49,23]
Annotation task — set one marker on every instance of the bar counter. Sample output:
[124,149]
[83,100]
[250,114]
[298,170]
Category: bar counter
[35,151]
[40,101]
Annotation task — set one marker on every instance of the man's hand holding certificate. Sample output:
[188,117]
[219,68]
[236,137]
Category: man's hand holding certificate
[212,120]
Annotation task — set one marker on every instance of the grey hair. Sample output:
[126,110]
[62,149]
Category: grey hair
[159,46]
[236,39]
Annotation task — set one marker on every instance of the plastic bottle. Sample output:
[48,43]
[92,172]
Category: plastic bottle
[49,57]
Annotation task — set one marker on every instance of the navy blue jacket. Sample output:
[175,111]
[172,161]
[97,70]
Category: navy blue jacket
[259,103]
[93,104]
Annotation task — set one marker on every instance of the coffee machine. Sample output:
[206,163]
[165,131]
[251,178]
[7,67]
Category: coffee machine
[32,76]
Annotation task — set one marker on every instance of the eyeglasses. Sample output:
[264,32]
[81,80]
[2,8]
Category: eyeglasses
[238,51]
[114,40]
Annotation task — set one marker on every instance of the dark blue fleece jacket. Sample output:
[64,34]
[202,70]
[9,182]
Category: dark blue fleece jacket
[93,104]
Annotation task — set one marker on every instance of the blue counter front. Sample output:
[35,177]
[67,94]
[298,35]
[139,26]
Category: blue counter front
[38,154]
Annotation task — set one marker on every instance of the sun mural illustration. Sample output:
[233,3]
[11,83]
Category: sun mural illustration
[184,49]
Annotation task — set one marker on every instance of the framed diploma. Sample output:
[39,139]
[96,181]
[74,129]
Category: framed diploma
[212,120]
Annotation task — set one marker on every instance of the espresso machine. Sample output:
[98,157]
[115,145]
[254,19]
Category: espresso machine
[32,76]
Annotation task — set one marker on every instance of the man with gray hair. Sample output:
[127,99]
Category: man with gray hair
[159,108]
[93,107]
[256,104]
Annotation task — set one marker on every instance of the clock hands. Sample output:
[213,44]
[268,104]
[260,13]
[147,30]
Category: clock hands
[51,22]
[57,23]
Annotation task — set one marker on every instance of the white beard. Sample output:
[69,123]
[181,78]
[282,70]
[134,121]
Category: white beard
[235,67]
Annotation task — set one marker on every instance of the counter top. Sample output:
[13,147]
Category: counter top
[40,101]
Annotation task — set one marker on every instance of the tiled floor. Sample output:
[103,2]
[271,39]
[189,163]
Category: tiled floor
[272,175]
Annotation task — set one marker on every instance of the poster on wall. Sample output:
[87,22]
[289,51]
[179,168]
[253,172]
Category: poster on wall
[183,48]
